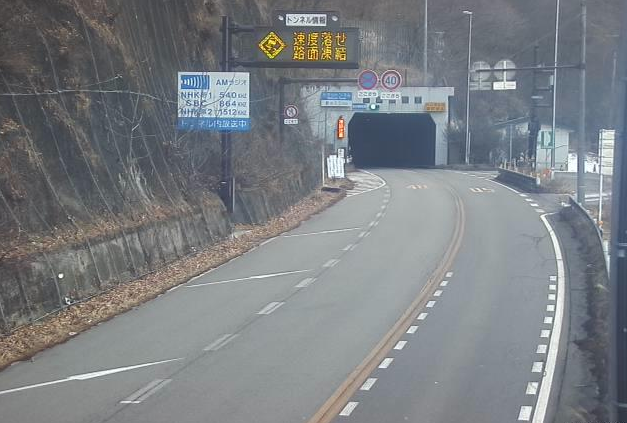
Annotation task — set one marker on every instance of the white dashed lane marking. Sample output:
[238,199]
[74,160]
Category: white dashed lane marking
[430,304]
[532,388]
[141,394]
[270,308]
[444,283]
[422,316]
[525,413]
[438,293]
[400,345]
[542,348]
[449,274]
[305,283]
[220,342]
[548,320]
[412,330]
[550,307]
[545,333]
[368,384]
[349,408]
[331,263]
[537,367]
[386,363]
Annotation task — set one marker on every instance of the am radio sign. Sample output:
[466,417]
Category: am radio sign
[214,101]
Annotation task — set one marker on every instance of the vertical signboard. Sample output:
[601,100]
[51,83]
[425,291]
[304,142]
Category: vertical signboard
[341,128]
[214,101]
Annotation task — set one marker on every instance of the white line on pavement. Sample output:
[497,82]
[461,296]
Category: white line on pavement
[529,200]
[271,307]
[542,348]
[332,231]
[422,316]
[551,360]
[386,363]
[400,345]
[534,205]
[525,413]
[548,320]
[540,210]
[305,283]
[362,234]
[438,293]
[550,307]
[552,297]
[349,408]
[141,394]
[220,342]
[449,274]
[505,186]
[537,367]
[412,330]
[331,263]
[532,388]
[91,375]
[553,278]
[545,333]
[249,278]
[348,247]
[430,304]
[523,195]
[444,283]
[368,384]
[552,287]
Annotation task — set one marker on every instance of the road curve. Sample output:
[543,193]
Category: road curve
[429,298]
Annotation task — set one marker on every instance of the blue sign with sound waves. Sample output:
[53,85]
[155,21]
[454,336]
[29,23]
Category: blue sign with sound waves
[195,82]
[214,101]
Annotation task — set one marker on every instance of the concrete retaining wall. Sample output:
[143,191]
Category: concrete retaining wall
[524,182]
[31,288]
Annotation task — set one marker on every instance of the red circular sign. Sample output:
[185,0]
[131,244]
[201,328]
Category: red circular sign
[368,80]
[391,79]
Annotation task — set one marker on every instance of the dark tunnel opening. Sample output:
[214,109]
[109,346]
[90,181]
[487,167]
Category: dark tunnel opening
[392,140]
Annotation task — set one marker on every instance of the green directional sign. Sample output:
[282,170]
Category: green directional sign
[546,140]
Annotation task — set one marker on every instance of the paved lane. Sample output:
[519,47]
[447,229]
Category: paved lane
[271,336]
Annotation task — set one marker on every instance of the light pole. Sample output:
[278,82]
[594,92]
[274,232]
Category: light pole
[469,13]
[556,57]
[425,54]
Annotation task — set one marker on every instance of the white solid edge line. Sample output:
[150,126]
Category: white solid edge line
[330,231]
[551,361]
[249,278]
[505,186]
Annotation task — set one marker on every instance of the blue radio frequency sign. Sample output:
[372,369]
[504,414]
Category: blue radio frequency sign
[368,80]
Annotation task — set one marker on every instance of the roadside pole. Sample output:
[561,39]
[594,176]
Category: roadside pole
[618,256]
[226,149]
[556,56]
[581,146]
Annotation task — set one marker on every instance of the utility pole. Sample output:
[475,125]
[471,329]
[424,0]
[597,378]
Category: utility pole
[534,124]
[425,53]
[618,263]
[581,147]
[226,189]
[556,57]
[469,13]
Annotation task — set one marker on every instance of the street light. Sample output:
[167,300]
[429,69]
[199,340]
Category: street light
[469,13]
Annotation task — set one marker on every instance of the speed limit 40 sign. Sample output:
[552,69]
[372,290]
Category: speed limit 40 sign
[391,80]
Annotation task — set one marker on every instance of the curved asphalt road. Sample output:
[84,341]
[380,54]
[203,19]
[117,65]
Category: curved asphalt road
[272,335]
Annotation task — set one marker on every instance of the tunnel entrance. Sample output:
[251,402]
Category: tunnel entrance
[392,139]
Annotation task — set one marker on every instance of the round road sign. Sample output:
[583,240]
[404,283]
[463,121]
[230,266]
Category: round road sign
[391,79]
[501,73]
[291,111]
[368,80]
[480,76]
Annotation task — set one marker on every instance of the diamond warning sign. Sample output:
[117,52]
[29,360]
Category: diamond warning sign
[272,45]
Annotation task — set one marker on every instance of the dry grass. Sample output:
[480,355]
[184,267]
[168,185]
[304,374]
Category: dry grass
[58,328]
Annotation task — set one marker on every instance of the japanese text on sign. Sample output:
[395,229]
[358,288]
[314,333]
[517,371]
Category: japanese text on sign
[214,101]
[306,19]
[309,48]
[435,107]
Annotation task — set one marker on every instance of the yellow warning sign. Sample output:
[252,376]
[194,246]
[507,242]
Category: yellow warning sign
[272,45]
